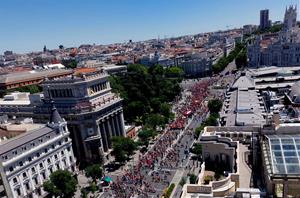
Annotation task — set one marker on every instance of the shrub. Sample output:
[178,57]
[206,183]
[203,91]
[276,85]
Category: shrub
[169,191]
[207,179]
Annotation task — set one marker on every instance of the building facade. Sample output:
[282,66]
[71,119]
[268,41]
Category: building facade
[195,66]
[94,114]
[264,20]
[27,160]
[281,49]
[290,18]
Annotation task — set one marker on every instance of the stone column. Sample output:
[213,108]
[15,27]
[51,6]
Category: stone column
[31,184]
[117,125]
[112,123]
[22,188]
[108,133]
[87,152]
[103,136]
[122,125]
[39,176]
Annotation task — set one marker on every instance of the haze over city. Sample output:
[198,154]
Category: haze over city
[29,25]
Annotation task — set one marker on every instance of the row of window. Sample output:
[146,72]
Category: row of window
[33,144]
[41,167]
[38,154]
[61,93]
[98,87]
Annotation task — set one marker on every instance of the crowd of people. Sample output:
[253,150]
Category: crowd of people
[150,168]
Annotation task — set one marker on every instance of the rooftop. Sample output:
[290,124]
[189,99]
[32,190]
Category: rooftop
[284,153]
[27,75]
[34,132]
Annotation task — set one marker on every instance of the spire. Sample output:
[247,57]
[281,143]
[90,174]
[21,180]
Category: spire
[54,117]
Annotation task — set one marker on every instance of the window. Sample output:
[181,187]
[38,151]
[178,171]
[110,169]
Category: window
[27,186]
[24,175]
[51,170]
[39,192]
[71,159]
[15,152]
[15,180]
[44,175]
[41,165]
[59,142]
[29,159]
[69,148]
[33,170]
[38,154]
[35,181]
[66,139]
[62,152]
[48,160]
[18,191]
[11,169]
[46,150]
[21,163]
[53,146]
[57,166]
[5,157]
[55,156]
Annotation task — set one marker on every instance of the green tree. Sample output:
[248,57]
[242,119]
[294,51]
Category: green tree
[123,148]
[197,149]
[61,47]
[30,88]
[198,130]
[61,184]
[69,63]
[174,72]
[94,171]
[145,135]
[193,179]
[182,181]
[155,120]
[165,110]
[146,91]
[241,59]
[214,105]
[225,60]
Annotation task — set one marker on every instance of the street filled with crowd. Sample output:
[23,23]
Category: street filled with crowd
[154,170]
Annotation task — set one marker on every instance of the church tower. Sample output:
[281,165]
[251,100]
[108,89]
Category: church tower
[290,18]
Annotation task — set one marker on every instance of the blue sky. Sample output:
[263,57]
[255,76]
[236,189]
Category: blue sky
[28,25]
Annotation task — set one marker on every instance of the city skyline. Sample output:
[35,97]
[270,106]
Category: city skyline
[52,23]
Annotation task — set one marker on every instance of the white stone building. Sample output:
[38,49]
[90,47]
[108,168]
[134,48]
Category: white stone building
[27,160]
[281,49]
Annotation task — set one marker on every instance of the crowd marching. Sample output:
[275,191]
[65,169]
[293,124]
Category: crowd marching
[154,166]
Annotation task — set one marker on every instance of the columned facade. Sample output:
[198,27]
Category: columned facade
[94,114]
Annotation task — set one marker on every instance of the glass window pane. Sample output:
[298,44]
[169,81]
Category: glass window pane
[288,147]
[287,141]
[277,154]
[276,147]
[292,168]
[278,160]
[297,141]
[279,168]
[290,153]
[274,141]
[291,160]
